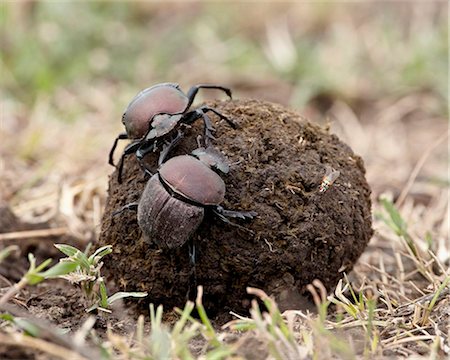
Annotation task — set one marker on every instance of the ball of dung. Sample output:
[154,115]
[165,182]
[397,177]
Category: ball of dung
[304,230]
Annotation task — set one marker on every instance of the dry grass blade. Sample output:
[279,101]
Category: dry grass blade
[30,234]
[418,167]
[43,346]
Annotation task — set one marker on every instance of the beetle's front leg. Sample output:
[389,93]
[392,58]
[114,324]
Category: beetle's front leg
[142,151]
[129,149]
[223,215]
[121,136]
[131,206]
[235,214]
[167,148]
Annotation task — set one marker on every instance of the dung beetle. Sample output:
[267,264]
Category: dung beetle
[156,112]
[176,197]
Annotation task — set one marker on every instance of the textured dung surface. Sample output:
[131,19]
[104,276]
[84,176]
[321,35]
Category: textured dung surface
[278,161]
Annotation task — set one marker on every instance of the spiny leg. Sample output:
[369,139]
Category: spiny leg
[145,148]
[193,271]
[222,116]
[129,149]
[131,206]
[196,114]
[222,214]
[121,136]
[192,253]
[209,129]
[235,214]
[167,148]
[194,90]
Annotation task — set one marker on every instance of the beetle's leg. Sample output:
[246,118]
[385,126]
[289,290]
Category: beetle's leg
[167,148]
[222,116]
[192,261]
[131,206]
[121,136]
[199,145]
[129,149]
[209,128]
[192,116]
[192,253]
[226,221]
[194,90]
[146,147]
[222,214]
[235,214]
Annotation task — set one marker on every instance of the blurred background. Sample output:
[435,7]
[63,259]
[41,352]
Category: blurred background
[376,73]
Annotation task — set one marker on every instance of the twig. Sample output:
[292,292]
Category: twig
[417,169]
[48,338]
[40,345]
[33,233]
[13,290]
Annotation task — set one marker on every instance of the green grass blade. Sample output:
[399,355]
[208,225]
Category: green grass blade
[122,295]
[62,268]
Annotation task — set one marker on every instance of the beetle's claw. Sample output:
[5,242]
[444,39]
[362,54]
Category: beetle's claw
[248,214]
[233,124]
[209,136]
[236,214]
[242,214]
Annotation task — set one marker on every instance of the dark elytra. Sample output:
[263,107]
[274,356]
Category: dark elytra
[299,234]
[194,180]
[166,221]
[165,97]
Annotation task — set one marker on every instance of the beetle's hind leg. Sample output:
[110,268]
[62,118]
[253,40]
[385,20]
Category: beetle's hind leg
[192,93]
[230,122]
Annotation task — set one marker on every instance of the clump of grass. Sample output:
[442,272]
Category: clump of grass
[36,274]
[169,342]
[86,273]
[78,268]
[270,327]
